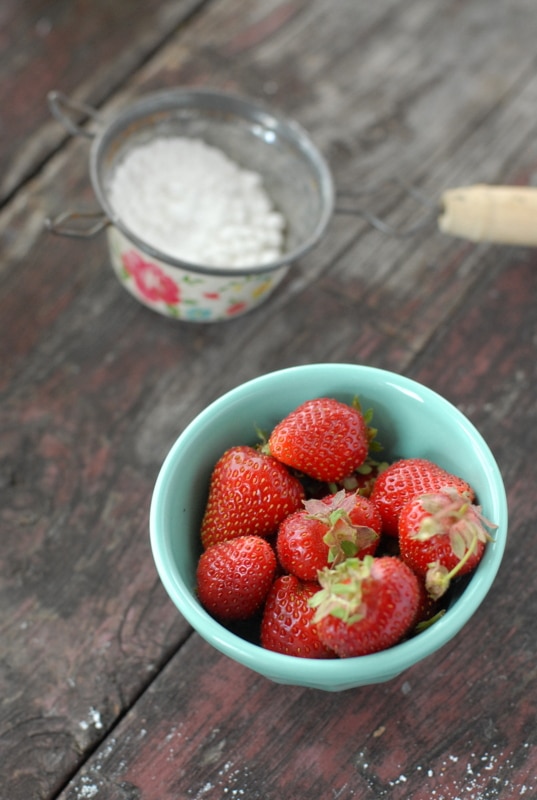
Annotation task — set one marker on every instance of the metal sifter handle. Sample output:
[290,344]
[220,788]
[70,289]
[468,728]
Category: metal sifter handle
[77,224]
[83,225]
[59,104]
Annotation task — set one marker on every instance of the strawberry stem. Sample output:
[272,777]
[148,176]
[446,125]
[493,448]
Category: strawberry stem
[341,592]
[426,623]
[438,578]
[343,538]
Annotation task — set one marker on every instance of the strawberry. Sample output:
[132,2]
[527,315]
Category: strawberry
[442,535]
[234,577]
[405,479]
[287,626]
[327,531]
[323,438]
[365,605]
[429,608]
[250,493]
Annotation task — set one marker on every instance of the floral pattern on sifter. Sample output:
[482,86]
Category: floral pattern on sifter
[183,295]
[152,283]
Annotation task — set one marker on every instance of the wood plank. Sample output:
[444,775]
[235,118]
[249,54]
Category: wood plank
[95,388]
[87,53]
[460,724]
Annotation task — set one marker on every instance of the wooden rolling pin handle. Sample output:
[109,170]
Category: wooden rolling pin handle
[500,214]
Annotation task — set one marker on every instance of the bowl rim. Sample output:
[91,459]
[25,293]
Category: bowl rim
[320,673]
[246,108]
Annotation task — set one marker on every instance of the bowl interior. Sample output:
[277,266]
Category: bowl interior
[295,174]
[411,420]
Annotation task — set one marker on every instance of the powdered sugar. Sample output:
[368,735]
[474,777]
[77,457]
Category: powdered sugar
[94,718]
[190,201]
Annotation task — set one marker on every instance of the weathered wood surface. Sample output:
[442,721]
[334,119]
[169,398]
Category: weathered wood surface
[103,691]
[88,52]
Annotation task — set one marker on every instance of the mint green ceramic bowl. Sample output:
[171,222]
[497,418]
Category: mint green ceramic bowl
[412,421]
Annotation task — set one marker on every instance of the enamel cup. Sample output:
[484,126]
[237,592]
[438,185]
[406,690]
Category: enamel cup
[294,174]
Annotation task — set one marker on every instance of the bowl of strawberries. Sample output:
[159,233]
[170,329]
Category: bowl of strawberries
[329,525]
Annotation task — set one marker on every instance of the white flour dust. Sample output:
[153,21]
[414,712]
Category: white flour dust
[190,201]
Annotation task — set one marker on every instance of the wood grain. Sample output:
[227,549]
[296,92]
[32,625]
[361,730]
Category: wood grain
[87,51]
[103,690]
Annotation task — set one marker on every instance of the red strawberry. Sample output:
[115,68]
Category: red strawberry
[287,620]
[326,532]
[442,535]
[323,438]
[234,577]
[429,609]
[366,606]
[405,479]
[250,494]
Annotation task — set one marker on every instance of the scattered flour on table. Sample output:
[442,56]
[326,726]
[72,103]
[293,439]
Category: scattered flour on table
[190,201]
[476,782]
[87,790]
[94,718]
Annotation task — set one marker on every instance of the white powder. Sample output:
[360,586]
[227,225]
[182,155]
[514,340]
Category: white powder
[190,201]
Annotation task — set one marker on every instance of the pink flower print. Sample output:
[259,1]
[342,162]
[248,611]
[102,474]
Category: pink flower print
[236,308]
[150,280]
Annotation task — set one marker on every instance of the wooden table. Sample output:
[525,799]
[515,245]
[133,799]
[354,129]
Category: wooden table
[105,692]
